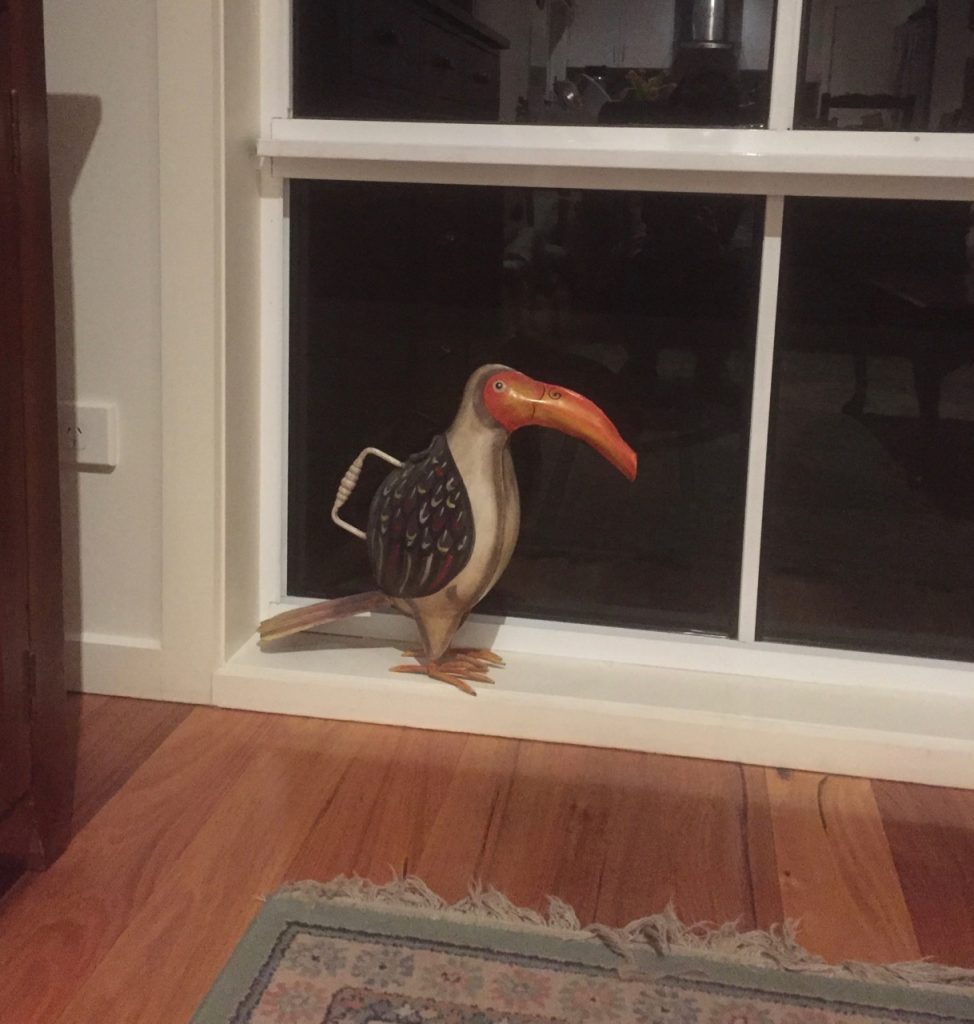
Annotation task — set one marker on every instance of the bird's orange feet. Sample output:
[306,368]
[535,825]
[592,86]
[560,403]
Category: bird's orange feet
[458,667]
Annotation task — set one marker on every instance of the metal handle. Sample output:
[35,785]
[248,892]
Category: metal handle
[349,480]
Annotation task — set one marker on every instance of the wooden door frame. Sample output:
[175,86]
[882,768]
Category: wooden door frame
[43,817]
[14,633]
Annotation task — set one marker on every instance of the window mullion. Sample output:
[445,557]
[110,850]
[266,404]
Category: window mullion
[275,34]
[760,412]
[785,67]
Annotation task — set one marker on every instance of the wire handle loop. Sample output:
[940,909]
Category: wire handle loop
[349,480]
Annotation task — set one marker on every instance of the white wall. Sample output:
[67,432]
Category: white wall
[622,33]
[861,59]
[819,27]
[756,35]
[136,103]
[103,109]
[863,47]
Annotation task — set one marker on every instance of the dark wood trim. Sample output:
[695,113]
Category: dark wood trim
[50,757]
[14,734]
[14,631]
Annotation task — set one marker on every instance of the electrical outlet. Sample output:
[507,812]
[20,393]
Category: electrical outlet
[89,435]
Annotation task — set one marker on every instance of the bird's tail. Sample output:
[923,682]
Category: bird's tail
[287,623]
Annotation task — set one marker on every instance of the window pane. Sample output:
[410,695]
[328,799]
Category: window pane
[887,65]
[643,303]
[869,522]
[670,62]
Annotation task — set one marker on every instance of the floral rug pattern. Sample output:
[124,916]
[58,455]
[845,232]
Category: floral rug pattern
[322,975]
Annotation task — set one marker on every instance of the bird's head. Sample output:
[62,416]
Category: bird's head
[515,400]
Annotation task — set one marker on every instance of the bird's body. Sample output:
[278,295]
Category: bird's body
[496,519]
[443,526]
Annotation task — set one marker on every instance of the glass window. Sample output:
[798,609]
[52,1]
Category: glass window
[671,62]
[888,65]
[645,303]
[869,516]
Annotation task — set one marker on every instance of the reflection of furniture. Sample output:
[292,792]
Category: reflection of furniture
[34,775]
[411,59]
[888,279]
[902,105]
[938,308]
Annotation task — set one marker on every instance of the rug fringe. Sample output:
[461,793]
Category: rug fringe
[664,933]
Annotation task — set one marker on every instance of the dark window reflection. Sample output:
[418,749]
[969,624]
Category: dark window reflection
[869,519]
[688,62]
[644,303]
[888,65]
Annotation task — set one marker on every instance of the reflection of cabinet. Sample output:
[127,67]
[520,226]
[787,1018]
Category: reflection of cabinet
[398,59]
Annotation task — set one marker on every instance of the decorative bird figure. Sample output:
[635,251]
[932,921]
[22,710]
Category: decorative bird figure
[443,525]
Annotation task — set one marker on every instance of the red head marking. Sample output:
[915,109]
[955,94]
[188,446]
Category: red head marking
[509,397]
[515,400]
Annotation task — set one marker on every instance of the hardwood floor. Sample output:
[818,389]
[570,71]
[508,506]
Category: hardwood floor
[187,816]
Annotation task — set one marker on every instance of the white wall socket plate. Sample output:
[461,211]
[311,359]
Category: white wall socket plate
[88,434]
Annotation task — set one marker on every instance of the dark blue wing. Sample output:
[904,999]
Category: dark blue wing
[421,529]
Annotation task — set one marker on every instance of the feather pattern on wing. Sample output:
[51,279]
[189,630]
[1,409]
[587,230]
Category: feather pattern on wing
[421,528]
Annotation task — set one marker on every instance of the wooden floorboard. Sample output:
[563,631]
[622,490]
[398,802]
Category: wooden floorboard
[115,735]
[342,834]
[413,789]
[836,870]
[199,910]
[193,814]
[931,836]
[764,889]
[458,845]
[677,838]
[57,929]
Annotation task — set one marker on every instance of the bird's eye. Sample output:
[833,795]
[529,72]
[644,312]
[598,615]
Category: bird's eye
[498,385]
[554,394]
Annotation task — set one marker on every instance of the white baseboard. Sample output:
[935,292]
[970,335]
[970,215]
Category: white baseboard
[924,736]
[117,666]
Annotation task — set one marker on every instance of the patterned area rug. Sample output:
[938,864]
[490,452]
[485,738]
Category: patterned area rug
[350,952]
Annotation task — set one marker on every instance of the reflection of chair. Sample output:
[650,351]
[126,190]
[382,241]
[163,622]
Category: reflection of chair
[887,280]
[936,309]
[860,101]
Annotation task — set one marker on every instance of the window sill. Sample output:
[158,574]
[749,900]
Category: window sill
[911,736]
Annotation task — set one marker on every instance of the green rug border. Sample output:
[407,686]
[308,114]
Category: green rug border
[282,907]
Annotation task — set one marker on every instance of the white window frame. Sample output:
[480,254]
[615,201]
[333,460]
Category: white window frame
[775,162]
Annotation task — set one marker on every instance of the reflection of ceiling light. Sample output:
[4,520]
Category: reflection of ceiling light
[706,44]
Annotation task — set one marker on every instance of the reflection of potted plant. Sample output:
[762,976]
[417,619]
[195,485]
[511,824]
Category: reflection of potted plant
[648,88]
[644,100]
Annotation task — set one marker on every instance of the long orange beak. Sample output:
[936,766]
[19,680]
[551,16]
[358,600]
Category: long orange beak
[575,415]
[548,405]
